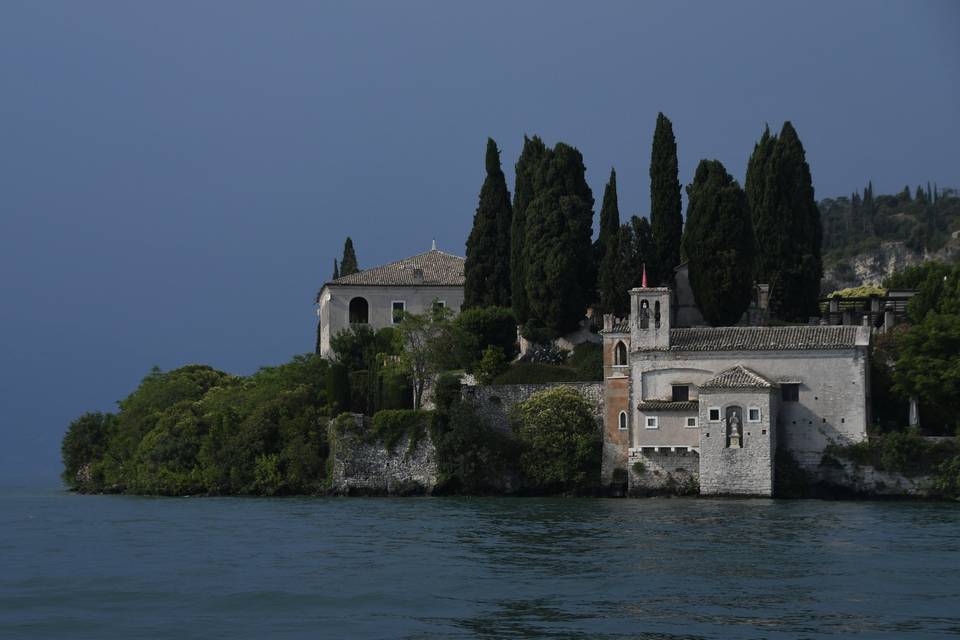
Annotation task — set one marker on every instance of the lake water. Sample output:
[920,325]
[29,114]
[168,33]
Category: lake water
[124,567]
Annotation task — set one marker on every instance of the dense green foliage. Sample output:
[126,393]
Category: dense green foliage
[560,277]
[559,439]
[904,452]
[537,373]
[348,263]
[198,430]
[938,286]
[492,364]
[861,222]
[786,224]
[587,361]
[928,367]
[666,217]
[336,269]
[487,268]
[718,243]
[367,375]
[607,251]
[523,194]
[472,456]
[486,327]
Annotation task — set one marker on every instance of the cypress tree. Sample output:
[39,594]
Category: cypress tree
[524,191]
[789,205]
[765,227]
[558,252]
[336,269]
[609,258]
[487,268]
[348,263]
[718,243]
[666,217]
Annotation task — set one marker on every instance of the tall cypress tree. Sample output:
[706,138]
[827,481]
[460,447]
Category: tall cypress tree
[666,216]
[718,243]
[336,269]
[608,242]
[558,252]
[348,263]
[765,228]
[787,230]
[524,191]
[487,268]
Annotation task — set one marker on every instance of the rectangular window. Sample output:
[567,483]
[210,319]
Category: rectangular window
[439,304]
[681,393]
[399,306]
[692,421]
[790,391]
[652,422]
[714,415]
[753,414]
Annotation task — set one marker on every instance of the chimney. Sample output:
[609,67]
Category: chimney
[763,296]
[418,276]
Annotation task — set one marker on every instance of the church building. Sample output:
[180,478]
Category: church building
[714,403]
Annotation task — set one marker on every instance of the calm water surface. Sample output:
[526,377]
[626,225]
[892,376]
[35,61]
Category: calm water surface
[123,567]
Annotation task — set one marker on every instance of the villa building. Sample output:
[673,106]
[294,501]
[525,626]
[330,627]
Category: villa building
[378,296]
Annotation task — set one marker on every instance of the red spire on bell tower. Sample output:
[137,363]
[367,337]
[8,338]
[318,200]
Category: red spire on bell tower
[643,282]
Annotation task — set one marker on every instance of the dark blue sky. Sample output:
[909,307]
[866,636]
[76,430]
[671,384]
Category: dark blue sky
[177,178]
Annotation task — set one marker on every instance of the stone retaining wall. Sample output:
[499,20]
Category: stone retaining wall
[495,401]
[363,468]
[673,472]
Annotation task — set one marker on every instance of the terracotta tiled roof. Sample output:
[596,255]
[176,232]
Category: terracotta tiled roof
[668,405]
[792,338]
[620,327]
[440,269]
[738,377]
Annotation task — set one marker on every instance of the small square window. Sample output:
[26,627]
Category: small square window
[652,422]
[790,391]
[439,304]
[753,414]
[399,306]
[681,393]
[692,421]
[714,415]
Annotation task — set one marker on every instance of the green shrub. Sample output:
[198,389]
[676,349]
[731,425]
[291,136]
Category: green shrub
[472,456]
[83,445]
[560,442]
[587,360]
[487,327]
[392,426]
[338,388]
[491,365]
[446,391]
[537,373]
[638,467]
[904,452]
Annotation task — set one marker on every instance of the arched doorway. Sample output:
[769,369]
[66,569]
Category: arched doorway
[359,311]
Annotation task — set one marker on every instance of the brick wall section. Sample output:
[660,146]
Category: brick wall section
[360,468]
[496,400]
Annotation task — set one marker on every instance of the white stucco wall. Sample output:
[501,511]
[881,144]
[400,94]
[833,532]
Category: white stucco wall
[833,391]
[335,300]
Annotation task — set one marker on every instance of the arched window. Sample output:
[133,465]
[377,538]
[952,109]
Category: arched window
[656,314]
[644,315]
[359,311]
[623,421]
[620,354]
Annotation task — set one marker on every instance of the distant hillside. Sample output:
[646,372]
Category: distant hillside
[866,238]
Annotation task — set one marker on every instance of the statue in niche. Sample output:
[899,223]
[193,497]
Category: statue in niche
[734,431]
[644,314]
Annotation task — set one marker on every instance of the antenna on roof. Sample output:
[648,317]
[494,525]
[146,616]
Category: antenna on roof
[433,247]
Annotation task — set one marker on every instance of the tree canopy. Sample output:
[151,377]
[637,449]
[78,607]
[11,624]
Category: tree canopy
[718,243]
[666,217]
[487,268]
[348,263]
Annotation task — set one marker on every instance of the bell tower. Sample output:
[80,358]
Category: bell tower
[650,318]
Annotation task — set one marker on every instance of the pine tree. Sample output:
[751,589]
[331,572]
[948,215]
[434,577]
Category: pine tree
[348,263]
[487,267]
[666,216]
[718,243]
[524,191]
[608,242]
[336,269]
[919,194]
[558,252]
